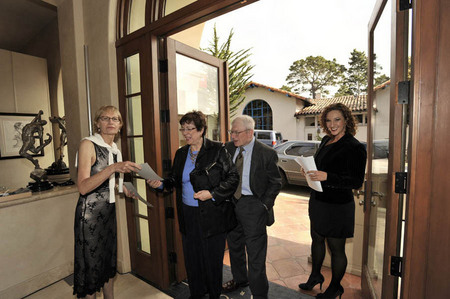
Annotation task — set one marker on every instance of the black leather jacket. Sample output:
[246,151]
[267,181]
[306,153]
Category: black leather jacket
[222,182]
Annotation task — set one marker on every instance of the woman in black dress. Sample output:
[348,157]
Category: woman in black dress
[341,161]
[95,216]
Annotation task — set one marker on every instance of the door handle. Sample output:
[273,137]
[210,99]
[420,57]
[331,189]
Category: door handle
[378,194]
[372,202]
[358,193]
[283,160]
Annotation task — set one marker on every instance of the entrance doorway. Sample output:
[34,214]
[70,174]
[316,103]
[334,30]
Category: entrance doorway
[158,104]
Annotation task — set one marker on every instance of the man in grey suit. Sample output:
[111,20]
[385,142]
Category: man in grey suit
[259,185]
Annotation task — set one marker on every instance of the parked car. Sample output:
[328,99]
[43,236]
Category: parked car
[289,168]
[269,137]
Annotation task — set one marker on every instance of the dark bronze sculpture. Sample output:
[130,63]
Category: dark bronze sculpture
[58,173]
[30,132]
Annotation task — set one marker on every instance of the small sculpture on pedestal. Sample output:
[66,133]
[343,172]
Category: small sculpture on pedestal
[58,173]
[30,132]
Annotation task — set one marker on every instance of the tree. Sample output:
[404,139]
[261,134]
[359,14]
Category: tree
[239,68]
[286,88]
[355,79]
[314,74]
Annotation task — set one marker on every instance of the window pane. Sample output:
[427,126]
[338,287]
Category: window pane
[136,148]
[197,89]
[140,207]
[143,236]
[134,116]
[137,15]
[133,75]
[174,5]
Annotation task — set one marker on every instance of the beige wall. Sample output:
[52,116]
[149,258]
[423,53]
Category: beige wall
[37,241]
[24,90]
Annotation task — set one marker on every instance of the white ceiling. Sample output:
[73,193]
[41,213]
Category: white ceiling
[22,20]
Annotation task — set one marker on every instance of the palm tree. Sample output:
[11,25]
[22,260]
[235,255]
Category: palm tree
[239,68]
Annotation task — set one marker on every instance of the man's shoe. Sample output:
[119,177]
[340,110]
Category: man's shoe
[231,286]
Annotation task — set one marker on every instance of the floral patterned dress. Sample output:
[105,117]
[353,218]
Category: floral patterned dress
[95,234]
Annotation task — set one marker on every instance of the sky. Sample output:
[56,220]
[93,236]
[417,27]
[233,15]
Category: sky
[283,31]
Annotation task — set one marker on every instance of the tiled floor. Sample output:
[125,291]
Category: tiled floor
[287,256]
[289,246]
[126,286]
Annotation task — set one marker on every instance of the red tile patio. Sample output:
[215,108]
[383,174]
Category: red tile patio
[289,246]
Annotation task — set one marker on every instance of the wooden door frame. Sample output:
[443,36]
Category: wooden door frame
[426,262]
[397,74]
[168,49]
[152,154]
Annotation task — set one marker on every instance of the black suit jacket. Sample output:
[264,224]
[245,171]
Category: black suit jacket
[345,166]
[265,179]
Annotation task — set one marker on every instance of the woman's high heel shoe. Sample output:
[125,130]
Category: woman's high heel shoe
[330,294]
[311,283]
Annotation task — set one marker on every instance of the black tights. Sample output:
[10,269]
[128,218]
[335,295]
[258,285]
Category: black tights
[338,258]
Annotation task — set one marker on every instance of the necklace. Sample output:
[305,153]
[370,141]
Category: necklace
[193,156]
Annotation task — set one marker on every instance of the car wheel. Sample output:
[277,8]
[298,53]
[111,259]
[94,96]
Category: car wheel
[284,181]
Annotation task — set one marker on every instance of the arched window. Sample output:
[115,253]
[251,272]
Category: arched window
[261,112]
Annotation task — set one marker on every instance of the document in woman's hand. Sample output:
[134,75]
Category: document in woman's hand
[133,190]
[307,163]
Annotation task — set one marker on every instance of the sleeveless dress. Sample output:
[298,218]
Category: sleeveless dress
[95,234]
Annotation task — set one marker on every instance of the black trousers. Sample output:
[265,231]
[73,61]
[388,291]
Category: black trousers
[250,234]
[203,256]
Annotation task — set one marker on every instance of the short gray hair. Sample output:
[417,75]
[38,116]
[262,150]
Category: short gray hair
[247,121]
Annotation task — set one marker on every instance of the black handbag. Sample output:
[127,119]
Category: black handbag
[207,179]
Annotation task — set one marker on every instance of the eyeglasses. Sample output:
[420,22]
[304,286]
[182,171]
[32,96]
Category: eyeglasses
[107,119]
[187,129]
[236,132]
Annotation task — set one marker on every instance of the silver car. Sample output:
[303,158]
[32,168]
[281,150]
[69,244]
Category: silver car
[289,168]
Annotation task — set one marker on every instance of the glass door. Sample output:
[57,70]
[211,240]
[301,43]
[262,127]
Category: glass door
[190,80]
[140,143]
[386,148]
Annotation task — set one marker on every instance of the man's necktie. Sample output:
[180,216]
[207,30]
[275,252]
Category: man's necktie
[240,166]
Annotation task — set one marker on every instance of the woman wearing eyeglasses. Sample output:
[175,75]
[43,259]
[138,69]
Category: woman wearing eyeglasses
[204,179]
[99,161]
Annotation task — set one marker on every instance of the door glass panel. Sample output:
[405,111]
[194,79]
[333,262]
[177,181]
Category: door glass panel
[136,148]
[140,207]
[133,77]
[143,236]
[380,149]
[137,15]
[174,5]
[134,116]
[198,89]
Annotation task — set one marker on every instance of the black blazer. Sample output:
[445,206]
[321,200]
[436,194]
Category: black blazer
[214,215]
[345,165]
[265,179]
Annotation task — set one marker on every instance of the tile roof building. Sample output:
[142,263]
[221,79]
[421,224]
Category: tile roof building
[296,117]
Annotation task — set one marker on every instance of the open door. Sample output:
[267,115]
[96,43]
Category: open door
[383,202]
[140,139]
[190,80]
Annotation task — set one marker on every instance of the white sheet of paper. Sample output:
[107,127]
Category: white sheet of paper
[131,189]
[148,173]
[308,163]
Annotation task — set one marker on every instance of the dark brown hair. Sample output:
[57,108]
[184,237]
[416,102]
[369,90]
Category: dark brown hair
[197,118]
[350,122]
